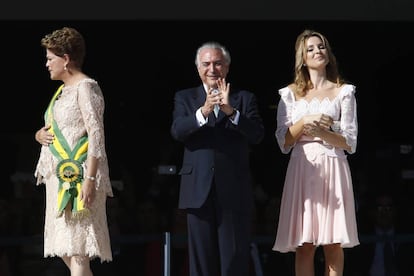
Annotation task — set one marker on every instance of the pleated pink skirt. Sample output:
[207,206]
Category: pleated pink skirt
[317,204]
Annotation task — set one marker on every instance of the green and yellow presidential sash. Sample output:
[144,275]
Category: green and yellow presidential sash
[69,169]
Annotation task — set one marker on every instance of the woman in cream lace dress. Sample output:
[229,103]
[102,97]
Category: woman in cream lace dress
[76,174]
[317,124]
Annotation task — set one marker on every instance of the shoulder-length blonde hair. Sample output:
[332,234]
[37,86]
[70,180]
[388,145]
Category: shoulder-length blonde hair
[302,81]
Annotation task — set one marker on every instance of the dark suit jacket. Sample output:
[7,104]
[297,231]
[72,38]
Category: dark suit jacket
[218,150]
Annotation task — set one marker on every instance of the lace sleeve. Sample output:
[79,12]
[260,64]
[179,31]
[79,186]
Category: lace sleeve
[91,103]
[348,122]
[284,118]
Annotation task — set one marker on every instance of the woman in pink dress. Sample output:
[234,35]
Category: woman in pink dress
[317,125]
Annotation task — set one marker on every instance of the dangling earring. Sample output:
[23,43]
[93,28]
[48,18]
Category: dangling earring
[65,68]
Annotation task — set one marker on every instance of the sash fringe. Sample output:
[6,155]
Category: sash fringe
[78,215]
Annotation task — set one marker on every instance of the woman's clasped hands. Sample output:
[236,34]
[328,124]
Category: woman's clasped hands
[316,124]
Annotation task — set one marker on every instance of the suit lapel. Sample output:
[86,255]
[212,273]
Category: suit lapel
[199,97]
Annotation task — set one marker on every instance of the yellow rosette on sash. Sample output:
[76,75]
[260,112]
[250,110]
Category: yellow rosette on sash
[69,169]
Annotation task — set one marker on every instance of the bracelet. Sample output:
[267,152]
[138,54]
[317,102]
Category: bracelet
[91,178]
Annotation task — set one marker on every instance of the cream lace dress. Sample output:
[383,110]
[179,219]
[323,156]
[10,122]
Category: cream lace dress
[79,109]
[317,204]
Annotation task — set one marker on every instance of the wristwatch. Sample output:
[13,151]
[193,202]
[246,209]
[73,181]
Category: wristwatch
[231,116]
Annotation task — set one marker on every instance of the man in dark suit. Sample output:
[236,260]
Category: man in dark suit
[216,184]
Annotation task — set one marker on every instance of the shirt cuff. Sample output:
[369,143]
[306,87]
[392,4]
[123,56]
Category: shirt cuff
[200,118]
